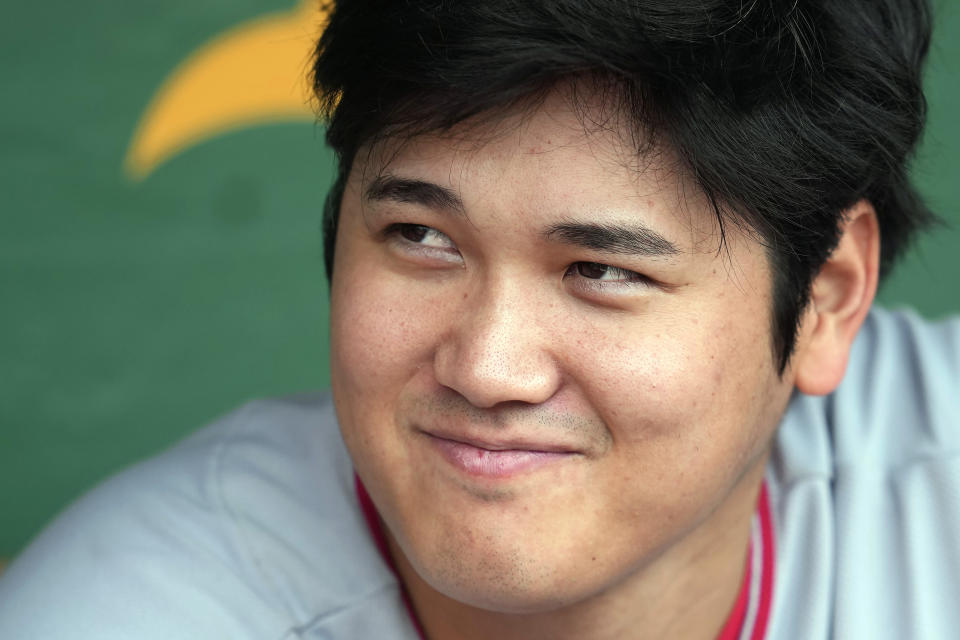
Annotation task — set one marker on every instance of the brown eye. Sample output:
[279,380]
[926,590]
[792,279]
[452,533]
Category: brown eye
[605,274]
[420,238]
[420,234]
[592,270]
[414,232]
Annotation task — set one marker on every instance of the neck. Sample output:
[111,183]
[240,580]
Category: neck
[687,591]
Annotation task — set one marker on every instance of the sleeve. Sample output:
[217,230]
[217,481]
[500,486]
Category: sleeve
[866,488]
[899,403]
[896,426]
[148,555]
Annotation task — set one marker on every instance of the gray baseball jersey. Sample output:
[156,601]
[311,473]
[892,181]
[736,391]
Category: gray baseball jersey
[255,526]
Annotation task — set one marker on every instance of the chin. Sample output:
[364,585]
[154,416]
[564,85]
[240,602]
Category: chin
[510,579]
[504,594]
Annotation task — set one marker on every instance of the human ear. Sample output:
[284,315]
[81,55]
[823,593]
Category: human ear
[841,296]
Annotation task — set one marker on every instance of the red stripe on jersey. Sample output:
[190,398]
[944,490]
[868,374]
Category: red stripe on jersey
[766,578]
[749,616]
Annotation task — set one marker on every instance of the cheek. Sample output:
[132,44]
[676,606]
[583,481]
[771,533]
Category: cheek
[378,320]
[377,331]
[684,398]
[369,332]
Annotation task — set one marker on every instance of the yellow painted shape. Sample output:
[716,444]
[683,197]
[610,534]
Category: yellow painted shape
[252,74]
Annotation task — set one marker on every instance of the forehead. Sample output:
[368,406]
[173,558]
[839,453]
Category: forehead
[564,158]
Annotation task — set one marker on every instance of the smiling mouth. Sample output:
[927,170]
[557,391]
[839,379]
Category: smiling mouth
[494,460]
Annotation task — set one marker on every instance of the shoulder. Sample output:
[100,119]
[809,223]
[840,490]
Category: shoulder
[247,529]
[901,394]
[866,490]
[899,401]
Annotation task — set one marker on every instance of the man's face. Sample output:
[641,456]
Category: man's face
[548,373]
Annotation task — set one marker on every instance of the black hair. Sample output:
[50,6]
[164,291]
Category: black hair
[784,112]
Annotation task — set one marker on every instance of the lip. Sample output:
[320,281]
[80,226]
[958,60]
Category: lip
[497,459]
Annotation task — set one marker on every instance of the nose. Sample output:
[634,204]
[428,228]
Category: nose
[499,350]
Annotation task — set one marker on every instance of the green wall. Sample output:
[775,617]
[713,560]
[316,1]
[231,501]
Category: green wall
[133,312]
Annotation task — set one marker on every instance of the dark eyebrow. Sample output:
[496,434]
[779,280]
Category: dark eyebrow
[613,238]
[405,190]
